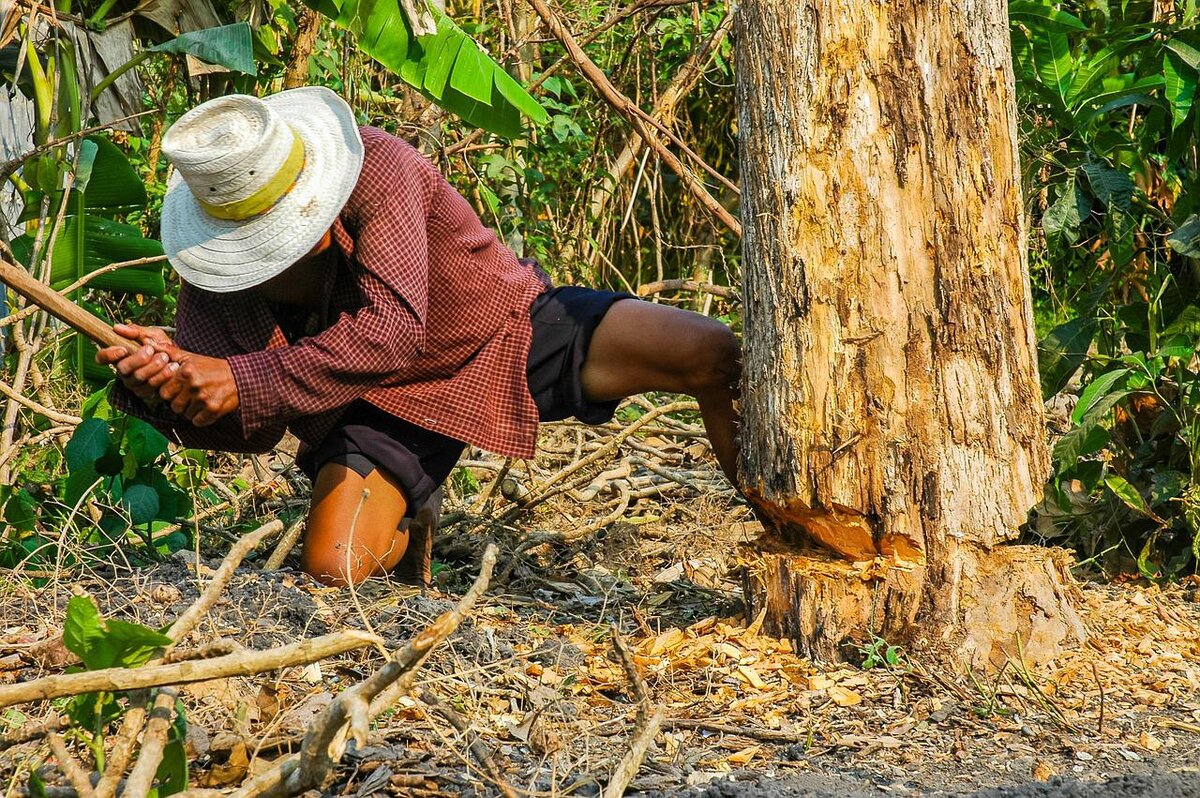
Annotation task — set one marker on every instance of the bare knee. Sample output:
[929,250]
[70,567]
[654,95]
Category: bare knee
[713,360]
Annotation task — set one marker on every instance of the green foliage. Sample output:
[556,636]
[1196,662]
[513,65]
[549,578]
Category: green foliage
[229,46]
[445,65]
[111,643]
[121,465]
[1109,125]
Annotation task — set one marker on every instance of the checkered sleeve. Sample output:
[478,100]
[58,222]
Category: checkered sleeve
[362,347]
[200,330]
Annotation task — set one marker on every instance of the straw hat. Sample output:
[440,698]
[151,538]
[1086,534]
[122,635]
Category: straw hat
[257,183]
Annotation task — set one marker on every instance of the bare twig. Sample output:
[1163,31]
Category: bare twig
[241,663]
[478,750]
[192,615]
[662,286]
[635,116]
[122,750]
[285,545]
[34,731]
[366,700]
[70,766]
[154,740]
[632,762]
[40,409]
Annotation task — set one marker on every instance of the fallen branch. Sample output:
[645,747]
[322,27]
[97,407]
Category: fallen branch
[154,741]
[192,615]
[478,750]
[36,731]
[325,742]
[122,750]
[70,767]
[632,762]
[241,663]
[645,726]
[285,545]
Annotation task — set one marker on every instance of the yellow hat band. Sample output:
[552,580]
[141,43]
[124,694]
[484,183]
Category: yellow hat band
[265,197]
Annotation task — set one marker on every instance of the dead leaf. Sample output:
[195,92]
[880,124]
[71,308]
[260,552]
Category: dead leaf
[744,756]
[1043,771]
[843,697]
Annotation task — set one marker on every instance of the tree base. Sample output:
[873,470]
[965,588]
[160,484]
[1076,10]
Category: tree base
[980,609]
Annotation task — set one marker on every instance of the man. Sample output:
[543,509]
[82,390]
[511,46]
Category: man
[334,284]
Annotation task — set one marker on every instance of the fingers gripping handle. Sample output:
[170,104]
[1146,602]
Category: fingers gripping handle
[61,308]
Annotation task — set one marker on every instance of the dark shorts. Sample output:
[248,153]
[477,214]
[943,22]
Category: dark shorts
[366,438]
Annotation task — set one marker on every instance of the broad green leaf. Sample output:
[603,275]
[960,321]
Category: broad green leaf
[1089,437]
[134,644]
[472,74]
[1189,54]
[1095,68]
[143,441]
[115,184]
[1186,239]
[104,242]
[448,67]
[230,46]
[1165,486]
[87,158]
[82,630]
[1128,494]
[1180,87]
[442,51]
[1113,188]
[1187,323]
[1095,390]
[90,442]
[1062,352]
[142,503]
[1064,217]
[20,508]
[1026,9]
[1052,55]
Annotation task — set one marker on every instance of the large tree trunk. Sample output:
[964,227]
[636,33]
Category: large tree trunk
[891,402]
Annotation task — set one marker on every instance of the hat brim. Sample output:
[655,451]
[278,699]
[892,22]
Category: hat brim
[224,256]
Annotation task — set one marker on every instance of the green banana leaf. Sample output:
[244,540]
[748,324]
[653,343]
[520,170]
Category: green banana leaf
[230,46]
[447,67]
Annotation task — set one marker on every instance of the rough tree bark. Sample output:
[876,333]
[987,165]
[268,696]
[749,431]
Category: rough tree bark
[891,403]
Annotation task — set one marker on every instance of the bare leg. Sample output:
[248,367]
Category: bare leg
[374,543]
[641,346]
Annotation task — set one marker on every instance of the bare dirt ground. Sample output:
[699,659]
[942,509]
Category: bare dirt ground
[532,674]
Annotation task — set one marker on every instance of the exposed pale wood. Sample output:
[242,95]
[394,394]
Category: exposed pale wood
[240,663]
[890,398]
[60,307]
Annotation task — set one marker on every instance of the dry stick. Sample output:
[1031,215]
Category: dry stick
[25,313]
[10,166]
[750,732]
[40,409]
[553,486]
[122,750]
[364,701]
[70,766]
[661,286]
[478,750]
[634,116]
[286,543]
[25,734]
[192,615]
[632,762]
[154,740]
[241,663]
[645,725]
[1100,686]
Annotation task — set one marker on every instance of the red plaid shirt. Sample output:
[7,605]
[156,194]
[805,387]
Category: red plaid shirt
[426,317]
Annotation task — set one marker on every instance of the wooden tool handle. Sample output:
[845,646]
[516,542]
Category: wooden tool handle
[61,308]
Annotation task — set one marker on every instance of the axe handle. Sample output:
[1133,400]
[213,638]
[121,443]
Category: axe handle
[61,308]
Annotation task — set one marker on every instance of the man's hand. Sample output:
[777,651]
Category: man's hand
[145,371]
[201,389]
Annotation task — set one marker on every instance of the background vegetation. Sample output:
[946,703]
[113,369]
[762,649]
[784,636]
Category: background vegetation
[1108,136]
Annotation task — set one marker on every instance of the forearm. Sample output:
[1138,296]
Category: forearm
[225,435]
